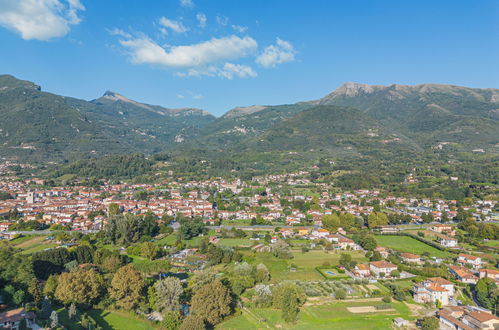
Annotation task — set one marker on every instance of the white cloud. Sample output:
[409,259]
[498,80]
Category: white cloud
[222,20]
[201,20]
[187,3]
[227,71]
[40,19]
[242,71]
[145,51]
[239,28]
[175,26]
[276,54]
[119,32]
[190,94]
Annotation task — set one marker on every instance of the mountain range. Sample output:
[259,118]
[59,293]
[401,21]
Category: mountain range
[355,119]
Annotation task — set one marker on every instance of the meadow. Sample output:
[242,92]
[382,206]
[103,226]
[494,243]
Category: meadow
[327,316]
[303,265]
[409,244]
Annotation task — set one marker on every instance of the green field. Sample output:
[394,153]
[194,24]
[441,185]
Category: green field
[107,320]
[327,316]
[31,244]
[239,242]
[409,244]
[119,320]
[336,274]
[304,264]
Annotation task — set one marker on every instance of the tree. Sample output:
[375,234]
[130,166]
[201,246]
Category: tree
[193,322]
[262,274]
[46,309]
[111,263]
[171,320]
[290,306]
[190,228]
[345,260]
[430,323]
[126,287]
[35,290]
[281,250]
[202,277]
[288,297]
[395,273]
[72,311]
[212,302]
[340,294]
[80,287]
[486,293]
[377,219]
[114,209]
[149,250]
[54,319]
[331,222]
[263,296]
[18,297]
[368,242]
[168,292]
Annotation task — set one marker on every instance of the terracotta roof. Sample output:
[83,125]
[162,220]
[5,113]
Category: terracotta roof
[439,280]
[436,287]
[490,271]
[382,264]
[408,255]
[483,316]
[363,266]
[467,256]
[16,315]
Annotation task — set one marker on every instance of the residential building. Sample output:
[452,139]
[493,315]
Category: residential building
[12,319]
[463,274]
[475,262]
[378,267]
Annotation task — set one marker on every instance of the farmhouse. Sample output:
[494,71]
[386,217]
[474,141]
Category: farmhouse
[12,319]
[464,259]
[493,274]
[467,318]
[362,270]
[382,251]
[385,267]
[447,241]
[320,233]
[410,258]
[433,290]
[443,229]
[463,274]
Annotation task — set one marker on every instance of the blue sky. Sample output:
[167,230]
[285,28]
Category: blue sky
[216,55]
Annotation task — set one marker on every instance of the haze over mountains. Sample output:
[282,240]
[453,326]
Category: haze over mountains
[354,119]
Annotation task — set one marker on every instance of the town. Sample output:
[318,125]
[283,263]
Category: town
[402,262]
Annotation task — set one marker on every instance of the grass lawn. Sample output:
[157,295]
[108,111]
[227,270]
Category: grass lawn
[327,316]
[17,241]
[119,320]
[492,243]
[233,242]
[167,240]
[38,247]
[333,274]
[305,264]
[409,244]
